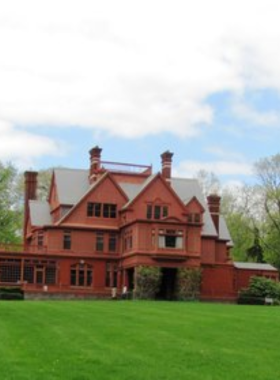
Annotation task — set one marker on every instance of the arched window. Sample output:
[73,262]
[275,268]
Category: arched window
[81,275]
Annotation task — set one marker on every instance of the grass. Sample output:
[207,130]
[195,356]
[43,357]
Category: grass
[138,341]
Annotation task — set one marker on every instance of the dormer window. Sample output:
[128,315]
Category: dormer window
[194,218]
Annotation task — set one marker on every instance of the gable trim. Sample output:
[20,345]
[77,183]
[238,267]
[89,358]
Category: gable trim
[167,186]
[94,186]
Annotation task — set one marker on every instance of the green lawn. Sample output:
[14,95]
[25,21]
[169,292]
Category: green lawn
[138,340]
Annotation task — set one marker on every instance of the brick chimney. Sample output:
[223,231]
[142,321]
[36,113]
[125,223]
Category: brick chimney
[214,208]
[166,165]
[30,193]
[95,161]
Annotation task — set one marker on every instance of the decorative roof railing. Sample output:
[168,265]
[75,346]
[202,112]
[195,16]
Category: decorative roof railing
[126,167]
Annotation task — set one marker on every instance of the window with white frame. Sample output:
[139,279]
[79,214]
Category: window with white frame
[172,239]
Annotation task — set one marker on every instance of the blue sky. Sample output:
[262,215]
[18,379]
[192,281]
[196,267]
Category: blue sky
[138,78]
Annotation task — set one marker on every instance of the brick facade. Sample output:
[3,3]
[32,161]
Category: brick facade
[99,225]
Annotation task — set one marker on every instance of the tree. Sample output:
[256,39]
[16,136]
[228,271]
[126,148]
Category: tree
[268,174]
[11,207]
[208,181]
[255,252]
[44,182]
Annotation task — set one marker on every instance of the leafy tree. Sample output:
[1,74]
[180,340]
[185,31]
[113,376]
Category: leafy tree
[268,174]
[239,226]
[235,204]
[255,252]
[44,181]
[11,207]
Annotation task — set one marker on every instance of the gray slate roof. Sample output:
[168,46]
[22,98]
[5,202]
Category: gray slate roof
[136,189]
[39,213]
[223,230]
[186,189]
[73,184]
[254,266]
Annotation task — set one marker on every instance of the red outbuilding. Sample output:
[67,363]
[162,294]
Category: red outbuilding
[100,224]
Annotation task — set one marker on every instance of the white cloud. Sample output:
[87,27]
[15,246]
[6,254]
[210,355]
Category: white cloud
[23,147]
[224,153]
[131,68]
[190,168]
[255,117]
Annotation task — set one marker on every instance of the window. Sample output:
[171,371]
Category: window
[39,276]
[164,211]
[157,211]
[50,275]
[149,211]
[109,210]
[40,239]
[10,270]
[99,244]
[94,209]
[112,242]
[67,240]
[28,274]
[111,277]
[194,218]
[106,210]
[170,239]
[81,275]
[33,271]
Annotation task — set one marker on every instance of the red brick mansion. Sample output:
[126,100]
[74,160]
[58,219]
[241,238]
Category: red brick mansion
[99,225]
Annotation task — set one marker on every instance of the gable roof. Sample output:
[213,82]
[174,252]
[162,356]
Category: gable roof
[195,200]
[71,184]
[90,188]
[188,188]
[135,191]
[40,214]
[131,189]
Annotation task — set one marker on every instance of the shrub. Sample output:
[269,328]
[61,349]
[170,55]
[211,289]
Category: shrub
[11,293]
[148,282]
[259,289]
[188,283]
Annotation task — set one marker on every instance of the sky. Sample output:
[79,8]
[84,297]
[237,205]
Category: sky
[199,78]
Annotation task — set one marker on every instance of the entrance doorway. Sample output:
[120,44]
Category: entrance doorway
[167,289]
[130,279]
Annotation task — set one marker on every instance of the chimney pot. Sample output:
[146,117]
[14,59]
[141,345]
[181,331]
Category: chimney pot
[166,165]
[95,162]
